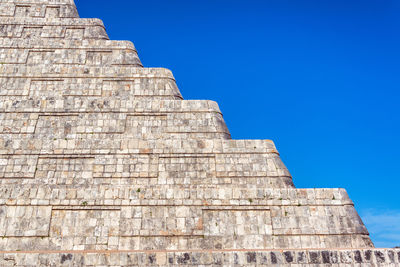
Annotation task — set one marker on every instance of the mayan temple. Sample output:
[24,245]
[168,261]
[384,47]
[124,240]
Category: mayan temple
[102,163]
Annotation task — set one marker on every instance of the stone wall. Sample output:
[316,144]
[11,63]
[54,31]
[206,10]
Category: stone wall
[102,162]
[38,9]
[284,258]
[173,216]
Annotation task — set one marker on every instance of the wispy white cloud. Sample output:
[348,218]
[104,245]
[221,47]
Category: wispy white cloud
[384,227]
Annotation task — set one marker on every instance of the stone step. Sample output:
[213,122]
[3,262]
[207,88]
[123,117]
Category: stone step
[40,28]
[128,218]
[289,200]
[221,257]
[42,2]
[87,56]
[78,236]
[79,71]
[81,92]
[30,146]
[56,43]
[156,168]
[104,85]
[68,52]
[126,125]
[38,9]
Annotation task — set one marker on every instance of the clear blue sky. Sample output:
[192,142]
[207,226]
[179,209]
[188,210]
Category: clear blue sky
[320,78]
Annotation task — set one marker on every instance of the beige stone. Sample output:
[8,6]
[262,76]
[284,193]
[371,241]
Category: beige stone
[98,153]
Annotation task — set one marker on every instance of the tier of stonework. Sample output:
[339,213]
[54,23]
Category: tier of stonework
[102,163]
[283,258]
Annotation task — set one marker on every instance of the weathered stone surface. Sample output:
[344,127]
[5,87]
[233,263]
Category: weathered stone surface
[38,8]
[102,163]
[180,258]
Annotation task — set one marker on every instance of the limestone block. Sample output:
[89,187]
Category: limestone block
[125,166]
[175,169]
[334,225]
[63,87]
[35,28]
[18,123]
[140,87]
[18,166]
[24,221]
[136,126]
[50,2]
[205,258]
[75,89]
[249,165]
[64,170]
[210,194]
[55,126]
[38,9]
[21,145]
[55,44]
[88,57]
[79,71]
[85,228]
[237,222]
[160,221]
[14,87]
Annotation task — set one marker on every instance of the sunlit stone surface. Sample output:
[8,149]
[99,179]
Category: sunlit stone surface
[103,163]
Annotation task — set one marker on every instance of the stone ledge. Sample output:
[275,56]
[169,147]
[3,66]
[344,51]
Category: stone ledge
[28,21]
[134,146]
[36,28]
[47,2]
[93,44]
[143,106]
[78,71]
[199,195]
[37,9]
[335,257]
[69,52]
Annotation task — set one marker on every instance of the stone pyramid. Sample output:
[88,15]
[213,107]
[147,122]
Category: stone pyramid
[102,163]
